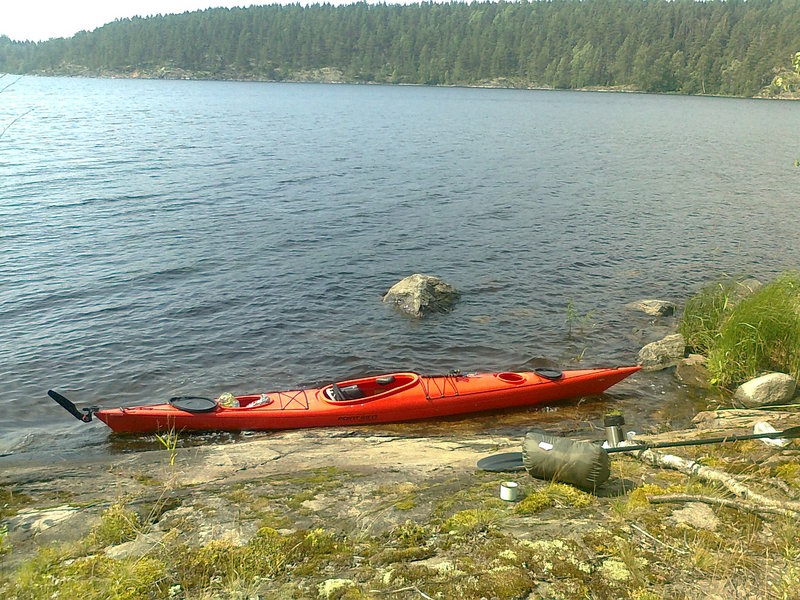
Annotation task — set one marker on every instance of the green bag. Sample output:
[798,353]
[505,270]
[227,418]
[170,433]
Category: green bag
[582,464]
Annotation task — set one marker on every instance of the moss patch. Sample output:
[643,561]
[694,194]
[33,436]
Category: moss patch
[551,495]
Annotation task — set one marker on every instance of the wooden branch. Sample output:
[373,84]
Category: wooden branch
[655,539]
[726,502]
[690,467]
[10,84]
[14,121]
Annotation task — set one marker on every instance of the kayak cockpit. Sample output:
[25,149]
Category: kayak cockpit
[368,388]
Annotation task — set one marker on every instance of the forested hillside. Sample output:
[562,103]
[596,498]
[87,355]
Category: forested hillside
[716,47]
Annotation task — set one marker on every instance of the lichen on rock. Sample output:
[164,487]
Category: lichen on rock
[419,295]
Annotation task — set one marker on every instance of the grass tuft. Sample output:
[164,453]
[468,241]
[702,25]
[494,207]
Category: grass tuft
[704,314]
[744,338]
[117,525]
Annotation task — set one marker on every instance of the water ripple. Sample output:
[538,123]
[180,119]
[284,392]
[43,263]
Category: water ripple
[166,237]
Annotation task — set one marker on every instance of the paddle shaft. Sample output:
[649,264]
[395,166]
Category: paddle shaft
[792,432]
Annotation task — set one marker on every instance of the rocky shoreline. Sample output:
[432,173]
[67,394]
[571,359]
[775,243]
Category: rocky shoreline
[370,516]
[361,513]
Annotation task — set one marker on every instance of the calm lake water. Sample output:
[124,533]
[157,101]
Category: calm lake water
[175,237]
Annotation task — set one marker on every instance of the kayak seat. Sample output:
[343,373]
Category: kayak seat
[349,392]
[352,392]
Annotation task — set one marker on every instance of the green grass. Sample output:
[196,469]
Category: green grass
[704,314]
[745,338]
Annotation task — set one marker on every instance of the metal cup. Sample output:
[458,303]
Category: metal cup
[509,490]
[614,430]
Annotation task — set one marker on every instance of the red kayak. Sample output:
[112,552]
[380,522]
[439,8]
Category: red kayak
[386,398]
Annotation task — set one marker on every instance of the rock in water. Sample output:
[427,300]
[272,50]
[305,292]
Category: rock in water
[693,371]
[418,295]
[662,354]
[772,388]
[654,308]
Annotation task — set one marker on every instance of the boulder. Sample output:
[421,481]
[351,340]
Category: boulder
[654,308]
[418,295]
[772,388]
[663,354]
[693,371]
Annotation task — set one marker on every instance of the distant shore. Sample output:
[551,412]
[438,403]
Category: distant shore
[336,76]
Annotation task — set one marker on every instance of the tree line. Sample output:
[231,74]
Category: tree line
[732,47]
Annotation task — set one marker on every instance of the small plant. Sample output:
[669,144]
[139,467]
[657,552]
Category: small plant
[170,442]
[576,320]
[470,520]
[117,524]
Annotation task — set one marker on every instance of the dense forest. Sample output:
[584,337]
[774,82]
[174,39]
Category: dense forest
[716,47]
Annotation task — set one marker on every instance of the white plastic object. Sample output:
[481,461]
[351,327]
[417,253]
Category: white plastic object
[764,427]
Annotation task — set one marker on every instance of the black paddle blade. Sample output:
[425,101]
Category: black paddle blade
[792,432]
[500,463]
[69,406]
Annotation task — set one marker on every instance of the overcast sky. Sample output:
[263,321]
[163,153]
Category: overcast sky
[38,20]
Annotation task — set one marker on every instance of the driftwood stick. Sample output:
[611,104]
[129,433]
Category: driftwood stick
[655,539]
[690,467]
[726,502]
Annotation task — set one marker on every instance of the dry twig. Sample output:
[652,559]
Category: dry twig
[753,501]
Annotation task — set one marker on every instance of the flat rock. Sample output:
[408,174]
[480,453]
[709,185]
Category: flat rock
[219,462]
[418,295]
[662,354]
[697,516]
[35,522]
[214,518]
[772,388]
[744,418]
[654,308]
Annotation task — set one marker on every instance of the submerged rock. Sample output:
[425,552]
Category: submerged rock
[772,388]
[654,308]
[418,295]
[693,371]
[664,353]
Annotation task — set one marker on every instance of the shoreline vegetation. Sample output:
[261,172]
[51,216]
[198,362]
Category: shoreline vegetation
[745,329]
[335,514]
[725,48]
